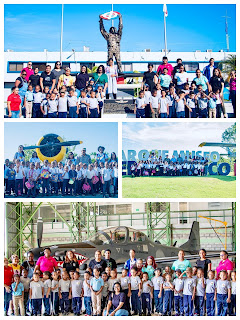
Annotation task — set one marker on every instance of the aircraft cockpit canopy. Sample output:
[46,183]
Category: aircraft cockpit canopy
[118,235]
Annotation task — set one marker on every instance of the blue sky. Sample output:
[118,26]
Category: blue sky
[172,136]
[189,27]
[92,135]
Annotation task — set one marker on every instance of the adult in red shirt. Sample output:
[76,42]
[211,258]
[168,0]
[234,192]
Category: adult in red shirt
[8,280]
[46,262]
[29,70]
[14,104]
[167,65]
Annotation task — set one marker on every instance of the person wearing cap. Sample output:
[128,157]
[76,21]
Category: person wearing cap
[65,79]
[46,262]
[101,156]
[164,65]
[84,158]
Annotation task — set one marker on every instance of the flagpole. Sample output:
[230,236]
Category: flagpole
[165,33]
[61,39]
[112,19]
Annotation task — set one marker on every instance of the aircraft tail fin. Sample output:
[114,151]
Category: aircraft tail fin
[193,243]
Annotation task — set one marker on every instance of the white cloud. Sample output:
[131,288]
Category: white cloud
[172,136]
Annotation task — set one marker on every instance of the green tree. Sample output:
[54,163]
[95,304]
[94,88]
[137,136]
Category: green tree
[229,136]
[227,65]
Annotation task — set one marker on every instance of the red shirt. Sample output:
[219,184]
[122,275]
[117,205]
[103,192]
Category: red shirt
[8,275]
[168,66]
[15,100]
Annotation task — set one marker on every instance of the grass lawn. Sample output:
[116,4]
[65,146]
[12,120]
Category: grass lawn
[179,187]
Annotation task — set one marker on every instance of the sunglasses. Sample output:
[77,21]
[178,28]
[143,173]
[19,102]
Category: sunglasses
[29,64]
[24,74]
[58,64]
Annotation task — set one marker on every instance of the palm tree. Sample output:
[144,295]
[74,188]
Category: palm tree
[228,64]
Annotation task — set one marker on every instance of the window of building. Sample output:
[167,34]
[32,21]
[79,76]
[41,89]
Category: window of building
[191,66]
[106,209]
[65,65]
[123,208]
[15,66]
[89,65]
[40,65]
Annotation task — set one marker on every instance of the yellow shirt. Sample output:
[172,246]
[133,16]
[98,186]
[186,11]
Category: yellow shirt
[66,80]
[16,269]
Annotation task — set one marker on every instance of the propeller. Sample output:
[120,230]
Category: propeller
[39,231]
[60,144]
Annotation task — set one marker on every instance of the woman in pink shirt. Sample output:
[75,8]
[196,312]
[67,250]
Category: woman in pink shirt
[46,262]
[29,70]
[232,88]
[224,264]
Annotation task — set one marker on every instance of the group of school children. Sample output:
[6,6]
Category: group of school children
[65,103]
[147,291]
[171,102]
[153,166]
[33,179]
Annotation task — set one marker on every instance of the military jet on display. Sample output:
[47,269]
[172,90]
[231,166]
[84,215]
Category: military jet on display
[120,240]
[225,145]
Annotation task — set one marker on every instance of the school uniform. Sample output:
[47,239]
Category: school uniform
[93,108]
[212,108]
[135,299]
[55,298]
[180,108]
[37,99]
[76,296]
[222,295]
[65,190]
[90,174]
[140,109]
[199,299]
[124,285]
[73,176]
[46,181]
[178,297]
[106,176]
[36,300]
[163,107]
[19,180]
[154,103]
[165,80]
[46,301]
[83,110]
[100,98]
[65,286]
[87,298]
[104,295]
[191,104]
[53,108]
[11,176]
[232,304]
[189,285]
[96,284]
[44,105]
[72,104]
[210,293]
[54,179]
[203,107]
[146,297]
[171,105]
[157,283]
[79,181]
[29,103]
[62,107]
[167,299]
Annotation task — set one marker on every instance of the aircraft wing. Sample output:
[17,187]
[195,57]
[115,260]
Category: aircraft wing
[217,144]
[213,255]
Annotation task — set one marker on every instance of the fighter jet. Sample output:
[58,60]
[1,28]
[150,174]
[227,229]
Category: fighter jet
[224,145]
[120,240]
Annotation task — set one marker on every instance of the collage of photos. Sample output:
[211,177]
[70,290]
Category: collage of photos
[86,94]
